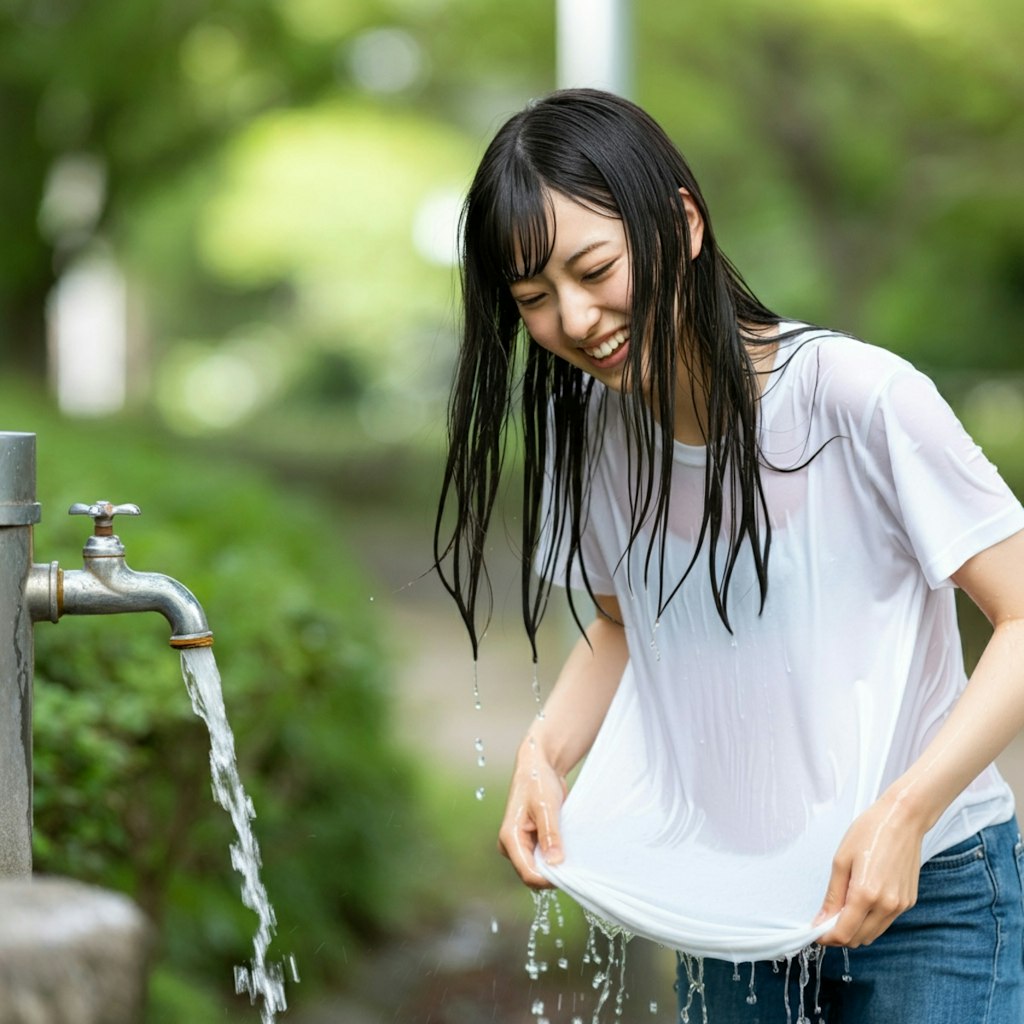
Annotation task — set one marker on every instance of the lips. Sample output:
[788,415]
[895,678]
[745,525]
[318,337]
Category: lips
[609,345]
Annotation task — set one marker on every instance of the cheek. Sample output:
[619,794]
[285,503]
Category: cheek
[619,293]
[541,329]
[627,292]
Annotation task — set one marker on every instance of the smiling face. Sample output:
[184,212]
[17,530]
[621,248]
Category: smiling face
[578,305]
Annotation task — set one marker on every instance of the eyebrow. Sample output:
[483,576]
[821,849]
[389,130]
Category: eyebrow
[586,250]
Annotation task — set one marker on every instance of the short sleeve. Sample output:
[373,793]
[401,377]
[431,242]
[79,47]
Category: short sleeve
[950,500]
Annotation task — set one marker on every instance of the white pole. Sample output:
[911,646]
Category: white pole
[594,45]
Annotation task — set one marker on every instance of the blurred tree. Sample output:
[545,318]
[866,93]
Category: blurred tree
[862,157]
[881,169]
[133,92]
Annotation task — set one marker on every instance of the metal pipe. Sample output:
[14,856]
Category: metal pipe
[32,593]
[18,512]
[594,45]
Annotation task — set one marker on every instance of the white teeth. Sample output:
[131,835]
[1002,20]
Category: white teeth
[607,347]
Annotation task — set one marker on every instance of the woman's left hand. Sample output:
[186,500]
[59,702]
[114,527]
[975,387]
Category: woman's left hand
[875,871]
[874,875]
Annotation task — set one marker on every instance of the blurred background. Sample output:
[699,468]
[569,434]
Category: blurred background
[227,293]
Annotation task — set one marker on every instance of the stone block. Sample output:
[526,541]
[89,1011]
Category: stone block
[70,953]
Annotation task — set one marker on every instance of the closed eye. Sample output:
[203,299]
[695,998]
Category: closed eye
[598,272]
[527,301]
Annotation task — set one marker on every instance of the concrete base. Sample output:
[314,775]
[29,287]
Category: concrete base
[70,954]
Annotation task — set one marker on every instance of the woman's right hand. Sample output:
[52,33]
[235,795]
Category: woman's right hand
[531,815]
[558,739]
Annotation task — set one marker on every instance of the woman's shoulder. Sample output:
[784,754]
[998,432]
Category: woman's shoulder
[839,370]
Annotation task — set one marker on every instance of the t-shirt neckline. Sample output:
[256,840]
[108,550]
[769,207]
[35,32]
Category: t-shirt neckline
[697,454]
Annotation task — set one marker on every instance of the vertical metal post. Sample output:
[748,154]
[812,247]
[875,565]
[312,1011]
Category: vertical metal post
[18,512]
[594,44]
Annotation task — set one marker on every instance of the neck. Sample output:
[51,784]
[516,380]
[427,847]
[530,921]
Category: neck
[691,412]
[691,404]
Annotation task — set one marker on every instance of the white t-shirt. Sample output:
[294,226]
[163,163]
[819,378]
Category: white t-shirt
[729,766]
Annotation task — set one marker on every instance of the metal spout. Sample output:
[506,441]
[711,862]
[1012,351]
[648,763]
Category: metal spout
[107,586]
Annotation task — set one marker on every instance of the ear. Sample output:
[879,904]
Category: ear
[695,222]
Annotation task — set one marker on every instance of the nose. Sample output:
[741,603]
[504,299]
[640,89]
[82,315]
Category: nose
[579,312]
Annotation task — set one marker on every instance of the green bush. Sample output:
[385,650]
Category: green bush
[122,781]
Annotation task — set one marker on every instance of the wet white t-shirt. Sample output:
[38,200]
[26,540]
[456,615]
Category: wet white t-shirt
[729,766]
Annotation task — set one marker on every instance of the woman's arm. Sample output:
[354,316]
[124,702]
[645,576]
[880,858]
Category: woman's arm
[875,871]
[555,743]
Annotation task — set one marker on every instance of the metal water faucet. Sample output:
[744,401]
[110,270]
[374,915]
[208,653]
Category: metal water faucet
[107,586]
[30,593]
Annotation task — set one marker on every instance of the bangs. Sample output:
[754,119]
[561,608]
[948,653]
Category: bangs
[520,234]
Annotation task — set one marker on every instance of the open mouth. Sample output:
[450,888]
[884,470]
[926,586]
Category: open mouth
[608,347]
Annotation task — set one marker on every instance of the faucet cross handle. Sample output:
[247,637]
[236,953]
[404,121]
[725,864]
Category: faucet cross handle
[103,513]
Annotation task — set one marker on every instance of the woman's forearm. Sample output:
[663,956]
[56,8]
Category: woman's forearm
[988,715]
[875,871]
[990,712]
[579,701]
[557,740]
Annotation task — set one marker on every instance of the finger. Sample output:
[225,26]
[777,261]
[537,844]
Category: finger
[518,841]
[873,918]
[836,893]
[855,929]
[519,846]
[864,918]
[847,928]
[549,838]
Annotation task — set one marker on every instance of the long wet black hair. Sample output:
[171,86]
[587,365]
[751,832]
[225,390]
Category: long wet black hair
[609,155]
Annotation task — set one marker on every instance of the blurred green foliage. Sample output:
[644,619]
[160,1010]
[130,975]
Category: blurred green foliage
[122,778]
[266,173]
[863,160]
[263,196]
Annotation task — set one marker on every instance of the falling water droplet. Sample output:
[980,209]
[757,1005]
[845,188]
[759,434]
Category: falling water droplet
[654,639]
[536,692]
[476,685]
[494,926]
[653,1007]
[481,793]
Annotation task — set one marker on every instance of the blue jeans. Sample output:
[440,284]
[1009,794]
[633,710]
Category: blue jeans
[956,957]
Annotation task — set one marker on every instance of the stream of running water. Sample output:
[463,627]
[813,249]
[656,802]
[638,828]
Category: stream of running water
[258,978]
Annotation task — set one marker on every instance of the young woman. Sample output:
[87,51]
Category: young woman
[782,747]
